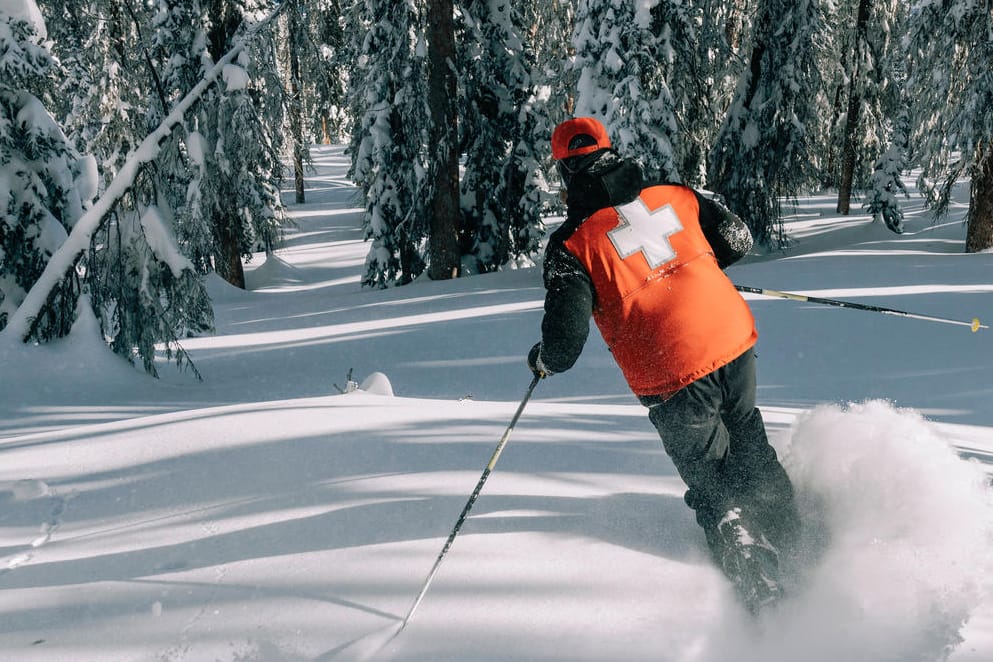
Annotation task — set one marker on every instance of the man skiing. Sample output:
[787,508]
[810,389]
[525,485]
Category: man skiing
[646,261]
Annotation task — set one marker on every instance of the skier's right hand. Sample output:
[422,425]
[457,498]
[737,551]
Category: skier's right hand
[535,364]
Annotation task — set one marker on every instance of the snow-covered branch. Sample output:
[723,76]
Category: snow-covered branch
[19,324]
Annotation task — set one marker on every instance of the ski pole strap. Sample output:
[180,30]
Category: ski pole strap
[974,325]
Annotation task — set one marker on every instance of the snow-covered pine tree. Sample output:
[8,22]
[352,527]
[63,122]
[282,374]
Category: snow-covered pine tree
[328,60]
[263,118]
[623,82]
[951,91]
[389,138]
[70,26]
[546,26]
[296,43]
[701,65]
[523,179]
[44,183]
[104,100]
[178,38]
[240,123]
[862,74]
[150,294]
[499,122]
[145,293]
[763,152]
[887,178]
[314,63]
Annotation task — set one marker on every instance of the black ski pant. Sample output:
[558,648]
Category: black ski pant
[714,434]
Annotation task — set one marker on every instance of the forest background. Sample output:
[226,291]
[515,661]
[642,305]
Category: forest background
[143,142]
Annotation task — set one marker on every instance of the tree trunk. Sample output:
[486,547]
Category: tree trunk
[296,99]
[444,163]
[848,152]
[979,236]
[227,259]
[228,264]
[854,109]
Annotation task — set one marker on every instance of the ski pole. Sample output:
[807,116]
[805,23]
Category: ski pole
[472,499]
[974,324]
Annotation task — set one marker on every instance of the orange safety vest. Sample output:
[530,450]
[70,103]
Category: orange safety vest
[665,309]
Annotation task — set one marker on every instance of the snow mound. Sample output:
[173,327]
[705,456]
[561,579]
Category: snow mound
[220,291]
[82,355]
[377,383]
[908,526]
[273,272]
[25,489]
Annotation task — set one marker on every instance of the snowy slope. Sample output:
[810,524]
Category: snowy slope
[262,515]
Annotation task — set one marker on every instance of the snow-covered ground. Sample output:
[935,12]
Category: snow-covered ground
[263,515]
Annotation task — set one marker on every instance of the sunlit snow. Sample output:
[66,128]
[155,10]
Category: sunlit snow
[290,506]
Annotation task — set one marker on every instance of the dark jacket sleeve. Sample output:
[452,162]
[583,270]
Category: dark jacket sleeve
[728,235]
[568,308]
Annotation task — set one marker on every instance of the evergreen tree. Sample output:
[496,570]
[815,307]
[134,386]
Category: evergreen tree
[523,179]
[178,43]
[44,183]
[951,91]
[328,61]
[546,26]
[314,60]
[388,153]
[153,236]
[623,81]
[163,233]
[296,43]
[240,125]
[863,70]
[499,121]
[235,139]
[887,178]
[763,152]
[691,44]
[144,293]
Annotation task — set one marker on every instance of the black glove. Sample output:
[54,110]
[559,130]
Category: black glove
[534,362]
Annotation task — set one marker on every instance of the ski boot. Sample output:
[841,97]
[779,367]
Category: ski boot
[749,561]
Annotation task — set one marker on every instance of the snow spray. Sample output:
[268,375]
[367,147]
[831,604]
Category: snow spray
[907,530]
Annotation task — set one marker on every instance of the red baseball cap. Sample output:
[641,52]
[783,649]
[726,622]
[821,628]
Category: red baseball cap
[580,135]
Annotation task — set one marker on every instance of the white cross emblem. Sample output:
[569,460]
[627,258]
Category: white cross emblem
[641,230]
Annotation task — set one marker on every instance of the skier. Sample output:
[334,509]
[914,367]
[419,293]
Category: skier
[645,261]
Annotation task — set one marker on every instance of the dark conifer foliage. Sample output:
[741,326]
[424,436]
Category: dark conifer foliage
[763,153]
[951,92]
[44,181]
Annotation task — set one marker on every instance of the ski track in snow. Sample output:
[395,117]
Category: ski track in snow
[211,529]
[26,490]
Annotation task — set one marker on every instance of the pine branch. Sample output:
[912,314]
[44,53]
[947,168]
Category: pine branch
[129,6]
[64,259]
